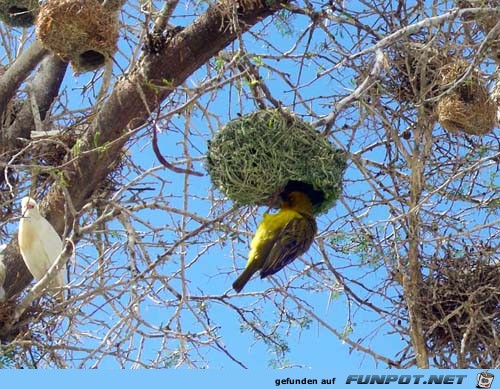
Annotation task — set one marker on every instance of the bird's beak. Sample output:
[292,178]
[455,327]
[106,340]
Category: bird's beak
[25,209]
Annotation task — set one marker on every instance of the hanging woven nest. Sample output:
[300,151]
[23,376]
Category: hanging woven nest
[82,32]
[468,107]
[256,157]
[19,13]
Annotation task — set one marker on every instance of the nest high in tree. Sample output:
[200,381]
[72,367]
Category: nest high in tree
[468,107]
[460,304]
[82,32]
[19,13]
[414,73]
[256,157]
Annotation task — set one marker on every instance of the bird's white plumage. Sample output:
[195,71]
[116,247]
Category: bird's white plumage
[2,272]
[39,242]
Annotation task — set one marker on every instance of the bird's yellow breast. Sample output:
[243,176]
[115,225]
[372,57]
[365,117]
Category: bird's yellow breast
[273,223]
[267,231]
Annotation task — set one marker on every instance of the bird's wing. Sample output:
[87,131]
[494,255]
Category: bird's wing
[294,239]
[50,240]
[52,244]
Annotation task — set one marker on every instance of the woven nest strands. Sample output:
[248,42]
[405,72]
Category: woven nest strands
[82,32]
[19,13]
[414,72]
[460,304]
[255,157]
[468,107]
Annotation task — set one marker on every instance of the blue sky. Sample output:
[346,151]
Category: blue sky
[212,259]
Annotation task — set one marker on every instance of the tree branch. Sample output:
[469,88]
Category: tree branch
[44,88]
[19,71]
[132,101]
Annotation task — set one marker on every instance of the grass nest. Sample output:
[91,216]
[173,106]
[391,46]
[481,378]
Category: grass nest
[468,107]
[414,73]
[256,157]
[460,304]
[19,13]
[82,32]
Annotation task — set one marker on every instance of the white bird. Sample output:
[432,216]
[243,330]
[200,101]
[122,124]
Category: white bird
[2,272]
[40,244]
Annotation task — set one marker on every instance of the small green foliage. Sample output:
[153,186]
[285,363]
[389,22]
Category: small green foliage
[347,331]
[304,322]
[219,63]
[283,22]
[61,178]
[114,234]
[252,83]
[167,83]
[97,135]
[151,85]
[258,60]
[77,147]
[103,149]
[494,204]
[202,307]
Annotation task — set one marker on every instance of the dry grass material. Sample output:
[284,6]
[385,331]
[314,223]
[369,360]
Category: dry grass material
[414,72]
[468,107]
[460,304]
[82,32]
[257,156]
[19,13]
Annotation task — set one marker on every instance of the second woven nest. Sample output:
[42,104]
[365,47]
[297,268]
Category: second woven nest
[468,107]
[82,32]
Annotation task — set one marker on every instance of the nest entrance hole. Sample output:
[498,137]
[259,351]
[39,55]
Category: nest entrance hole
[317,196]
[91,59]
[19,15]
[17,11]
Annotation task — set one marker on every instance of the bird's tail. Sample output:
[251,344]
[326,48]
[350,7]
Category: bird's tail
[244,277]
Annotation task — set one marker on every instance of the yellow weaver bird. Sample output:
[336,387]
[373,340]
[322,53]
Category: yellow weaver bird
[280,238]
